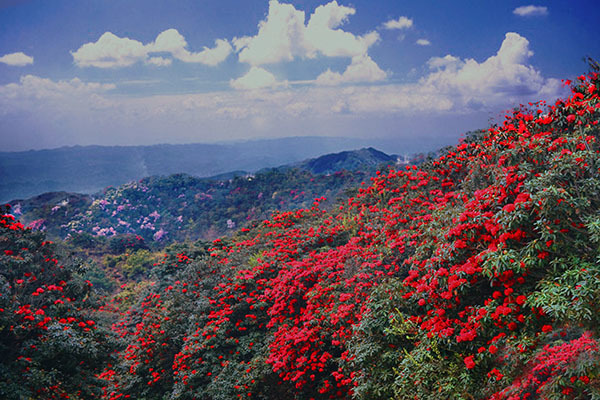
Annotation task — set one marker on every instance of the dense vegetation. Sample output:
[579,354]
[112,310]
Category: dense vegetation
[163,209]
[475,275]
[51,345]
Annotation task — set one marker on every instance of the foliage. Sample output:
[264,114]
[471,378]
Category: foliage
[473,276]
[164,209]
[50,343]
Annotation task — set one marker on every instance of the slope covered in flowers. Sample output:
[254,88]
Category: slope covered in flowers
[473,276]
[51,342]
[165,209]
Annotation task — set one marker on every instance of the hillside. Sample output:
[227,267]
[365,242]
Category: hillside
[88,169]
[179,207]
[474,275]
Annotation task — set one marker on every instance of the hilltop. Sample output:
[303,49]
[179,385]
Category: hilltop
[348,160]
[179,207]
[88,169]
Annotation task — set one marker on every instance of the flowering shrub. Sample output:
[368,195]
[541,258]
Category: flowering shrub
[500,241]
[472,276]
[50,342]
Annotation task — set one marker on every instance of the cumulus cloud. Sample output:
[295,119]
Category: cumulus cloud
[531,11]
[400,23]
[423,42]
[111,51]
[503,78]
[18,59]
[362,69]
[256,78]
[283,36]
[280,37]
[323,37]
[171,41]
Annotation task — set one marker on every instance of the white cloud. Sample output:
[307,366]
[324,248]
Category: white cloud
[448,62]
[362,69]
[256,78]
[36,87]
[210,56]
[530,11]
[280,37]
[400,23]
[171,41]
[322,37]
[283,36]
[18,59]
[111,51]
[42,96]
[503,78]
[160,61]
[423,42]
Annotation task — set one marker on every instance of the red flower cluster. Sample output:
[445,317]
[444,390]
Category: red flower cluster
[462,244]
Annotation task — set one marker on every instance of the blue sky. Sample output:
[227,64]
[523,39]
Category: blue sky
[144,72]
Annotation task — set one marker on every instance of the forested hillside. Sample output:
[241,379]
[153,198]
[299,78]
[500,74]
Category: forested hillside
[164,209]
[472,276]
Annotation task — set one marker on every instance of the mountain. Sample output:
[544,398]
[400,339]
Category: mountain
[474,275]
[87,169]
[177,207]
[348,160]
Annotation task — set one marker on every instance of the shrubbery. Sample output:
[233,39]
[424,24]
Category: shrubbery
[472,276]
[50,342]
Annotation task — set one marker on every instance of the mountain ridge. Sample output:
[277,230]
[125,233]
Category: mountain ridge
[182,206]
[90,168]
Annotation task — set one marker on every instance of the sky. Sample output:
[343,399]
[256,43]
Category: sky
[417,73]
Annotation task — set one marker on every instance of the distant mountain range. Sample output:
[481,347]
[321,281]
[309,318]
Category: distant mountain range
[179,207]
[89,169]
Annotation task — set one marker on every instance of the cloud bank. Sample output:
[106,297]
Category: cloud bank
[112,51]
[452,86]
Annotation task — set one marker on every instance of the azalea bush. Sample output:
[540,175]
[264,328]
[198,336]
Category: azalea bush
[471,276]
[500,263]
[474,275]
[51,344]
